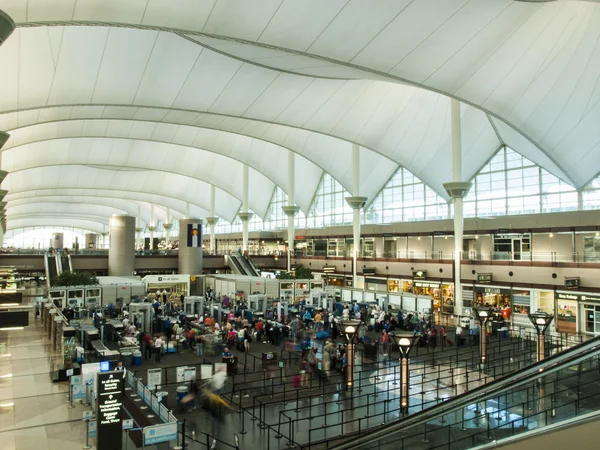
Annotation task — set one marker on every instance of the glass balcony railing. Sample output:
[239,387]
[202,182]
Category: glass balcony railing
[557,390]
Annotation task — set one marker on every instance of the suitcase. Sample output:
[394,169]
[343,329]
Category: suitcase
[240,345]
[296,381]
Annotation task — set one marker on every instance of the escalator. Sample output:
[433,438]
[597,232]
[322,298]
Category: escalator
[241,265]
[234,264]
[550,396]
[50,268]
[250,269]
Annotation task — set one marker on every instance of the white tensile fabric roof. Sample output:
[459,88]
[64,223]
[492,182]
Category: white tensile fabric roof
[124,104]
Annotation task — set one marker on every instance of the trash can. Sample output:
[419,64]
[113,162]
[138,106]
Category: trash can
[162,396]
[126,358]
[182,391]
[137,358]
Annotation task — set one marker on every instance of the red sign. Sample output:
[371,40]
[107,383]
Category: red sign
[300,238]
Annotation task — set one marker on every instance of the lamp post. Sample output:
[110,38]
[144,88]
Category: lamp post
[404,342]
[349,328]
[483,315]
[541,321]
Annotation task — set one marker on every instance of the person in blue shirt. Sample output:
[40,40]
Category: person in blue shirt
[307,318]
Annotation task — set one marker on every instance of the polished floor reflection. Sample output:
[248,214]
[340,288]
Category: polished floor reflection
[34,413]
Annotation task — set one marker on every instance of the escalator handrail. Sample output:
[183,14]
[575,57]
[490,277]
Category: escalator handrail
[558,361]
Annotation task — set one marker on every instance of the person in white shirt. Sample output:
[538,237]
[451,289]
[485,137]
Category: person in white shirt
[131,330]
[158,343]
[125,324]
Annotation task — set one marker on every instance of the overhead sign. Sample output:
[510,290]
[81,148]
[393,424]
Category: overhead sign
[160,433]
[572,282]
[484,278]
[578,297]
[420,274]
[127,424]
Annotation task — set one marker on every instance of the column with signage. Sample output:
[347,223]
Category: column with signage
[190,246]
[109,410]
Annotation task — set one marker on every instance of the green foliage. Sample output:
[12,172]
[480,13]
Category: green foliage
[299,273]
[75,279]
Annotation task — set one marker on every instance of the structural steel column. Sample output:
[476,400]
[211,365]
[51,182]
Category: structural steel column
[167,226]
[356,202]
[212,220]
[245,216]
[121,252]
[457,190]
[290,210]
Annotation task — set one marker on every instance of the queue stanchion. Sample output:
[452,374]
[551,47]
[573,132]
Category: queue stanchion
[87,445]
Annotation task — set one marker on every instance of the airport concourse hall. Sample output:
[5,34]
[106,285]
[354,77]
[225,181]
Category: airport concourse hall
[299,224]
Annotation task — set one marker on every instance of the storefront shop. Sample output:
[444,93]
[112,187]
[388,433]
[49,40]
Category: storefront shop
[578,311]
[566,312]
[492,297]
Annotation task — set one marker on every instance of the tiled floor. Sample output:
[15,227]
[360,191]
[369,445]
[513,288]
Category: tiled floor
[34,413]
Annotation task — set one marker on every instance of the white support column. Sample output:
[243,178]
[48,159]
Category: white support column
[152,227]
[580,200]
[212,220]
[457,191]
[187,209]
[356,202]
[245,216]
[290,210]
[167,225]
[139,228]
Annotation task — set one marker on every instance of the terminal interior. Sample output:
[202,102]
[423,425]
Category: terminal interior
[299,224]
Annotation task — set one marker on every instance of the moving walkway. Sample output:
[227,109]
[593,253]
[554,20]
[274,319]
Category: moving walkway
[554,394]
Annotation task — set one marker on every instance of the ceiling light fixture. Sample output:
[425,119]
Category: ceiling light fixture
[12,328]
[7,405]
[8,375]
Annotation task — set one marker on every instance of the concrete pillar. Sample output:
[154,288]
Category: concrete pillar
[121,251]
[356,202]
[58,240]
[244,215]
[290,210]
[212,220]
[90,240]
[457,190]
[190,246]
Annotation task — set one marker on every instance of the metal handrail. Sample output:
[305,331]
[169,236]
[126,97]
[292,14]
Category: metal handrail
[572,356]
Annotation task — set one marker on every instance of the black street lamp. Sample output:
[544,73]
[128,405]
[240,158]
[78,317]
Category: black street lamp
[349,328]
[541,321]
[484,316]
[405,342]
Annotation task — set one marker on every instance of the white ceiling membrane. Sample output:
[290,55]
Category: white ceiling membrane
[316,76]
[131,155]
[63,209]
[150,182]
[232,151]
[55,221]
[119,205]
[100,195]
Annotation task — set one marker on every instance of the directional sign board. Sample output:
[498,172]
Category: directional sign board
[109,407]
